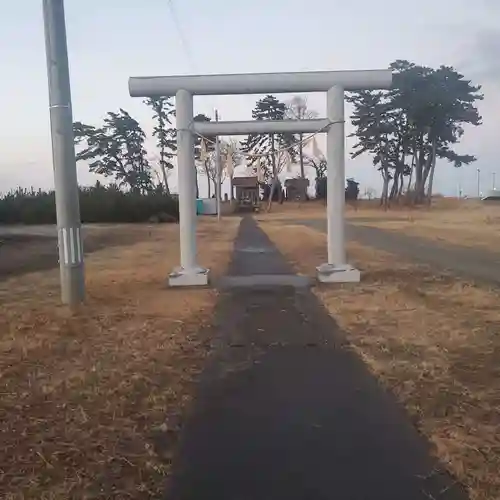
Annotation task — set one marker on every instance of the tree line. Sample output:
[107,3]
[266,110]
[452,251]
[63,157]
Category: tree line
[408,128]
[404,130]
[98,203]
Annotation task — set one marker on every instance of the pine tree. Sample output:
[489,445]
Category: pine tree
[410,127]
[165,133]
[116,149]
[269,108]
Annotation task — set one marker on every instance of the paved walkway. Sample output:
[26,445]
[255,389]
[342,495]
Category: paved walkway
[473,263]
[286,411]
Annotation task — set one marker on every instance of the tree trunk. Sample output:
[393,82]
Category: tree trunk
[431,174]
[270,200]
[209,180]
[413,163]
[428,163]
[231,187]
[165,179]
[401,177]
[197,184]
[419,153]
[385,190]
[273,156]
[410,178]
[395,186]
[419,178]
[401,186]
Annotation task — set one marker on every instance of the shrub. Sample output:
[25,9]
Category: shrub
[97,204]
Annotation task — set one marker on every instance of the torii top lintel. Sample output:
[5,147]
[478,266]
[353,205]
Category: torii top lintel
[259,83]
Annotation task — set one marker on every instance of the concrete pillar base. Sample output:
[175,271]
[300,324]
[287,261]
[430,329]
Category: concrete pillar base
[189,277]
[343,273]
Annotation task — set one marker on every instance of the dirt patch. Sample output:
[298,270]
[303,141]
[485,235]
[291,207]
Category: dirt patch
[431,338]
[24,253]
[90,398]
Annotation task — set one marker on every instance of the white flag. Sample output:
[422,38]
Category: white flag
[316,151]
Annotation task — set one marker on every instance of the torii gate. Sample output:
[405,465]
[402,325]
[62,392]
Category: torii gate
[334,83]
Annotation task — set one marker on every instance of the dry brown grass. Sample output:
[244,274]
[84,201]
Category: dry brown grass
[471,223]
[91,401]
[292,210]
[460,222]
[432,339]
[316,209]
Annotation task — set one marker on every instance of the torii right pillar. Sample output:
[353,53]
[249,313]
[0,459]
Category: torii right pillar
[336,270]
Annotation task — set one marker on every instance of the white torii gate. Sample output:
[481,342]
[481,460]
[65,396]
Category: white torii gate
[334,83]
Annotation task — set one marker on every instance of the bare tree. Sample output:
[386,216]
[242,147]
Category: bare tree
[297,109]
[203,168]
[231,146]
[370,193]
[209,167]
[319,165]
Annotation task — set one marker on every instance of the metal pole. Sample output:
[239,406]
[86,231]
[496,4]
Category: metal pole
[478,183]
[187,179]
[218,170]
[335,151]
[63,155]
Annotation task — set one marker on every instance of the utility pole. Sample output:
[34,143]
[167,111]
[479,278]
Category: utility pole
[478,183]
[63,155]
[218,170]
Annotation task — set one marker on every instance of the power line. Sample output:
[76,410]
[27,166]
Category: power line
[182,38]
[185,44]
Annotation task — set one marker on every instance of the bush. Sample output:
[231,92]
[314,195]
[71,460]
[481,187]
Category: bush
[97,204]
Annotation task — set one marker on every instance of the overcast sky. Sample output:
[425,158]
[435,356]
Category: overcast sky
[110,40]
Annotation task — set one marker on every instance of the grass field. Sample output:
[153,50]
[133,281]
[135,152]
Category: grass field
[462,222]
[469,223]
[432,339]
[92,401]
